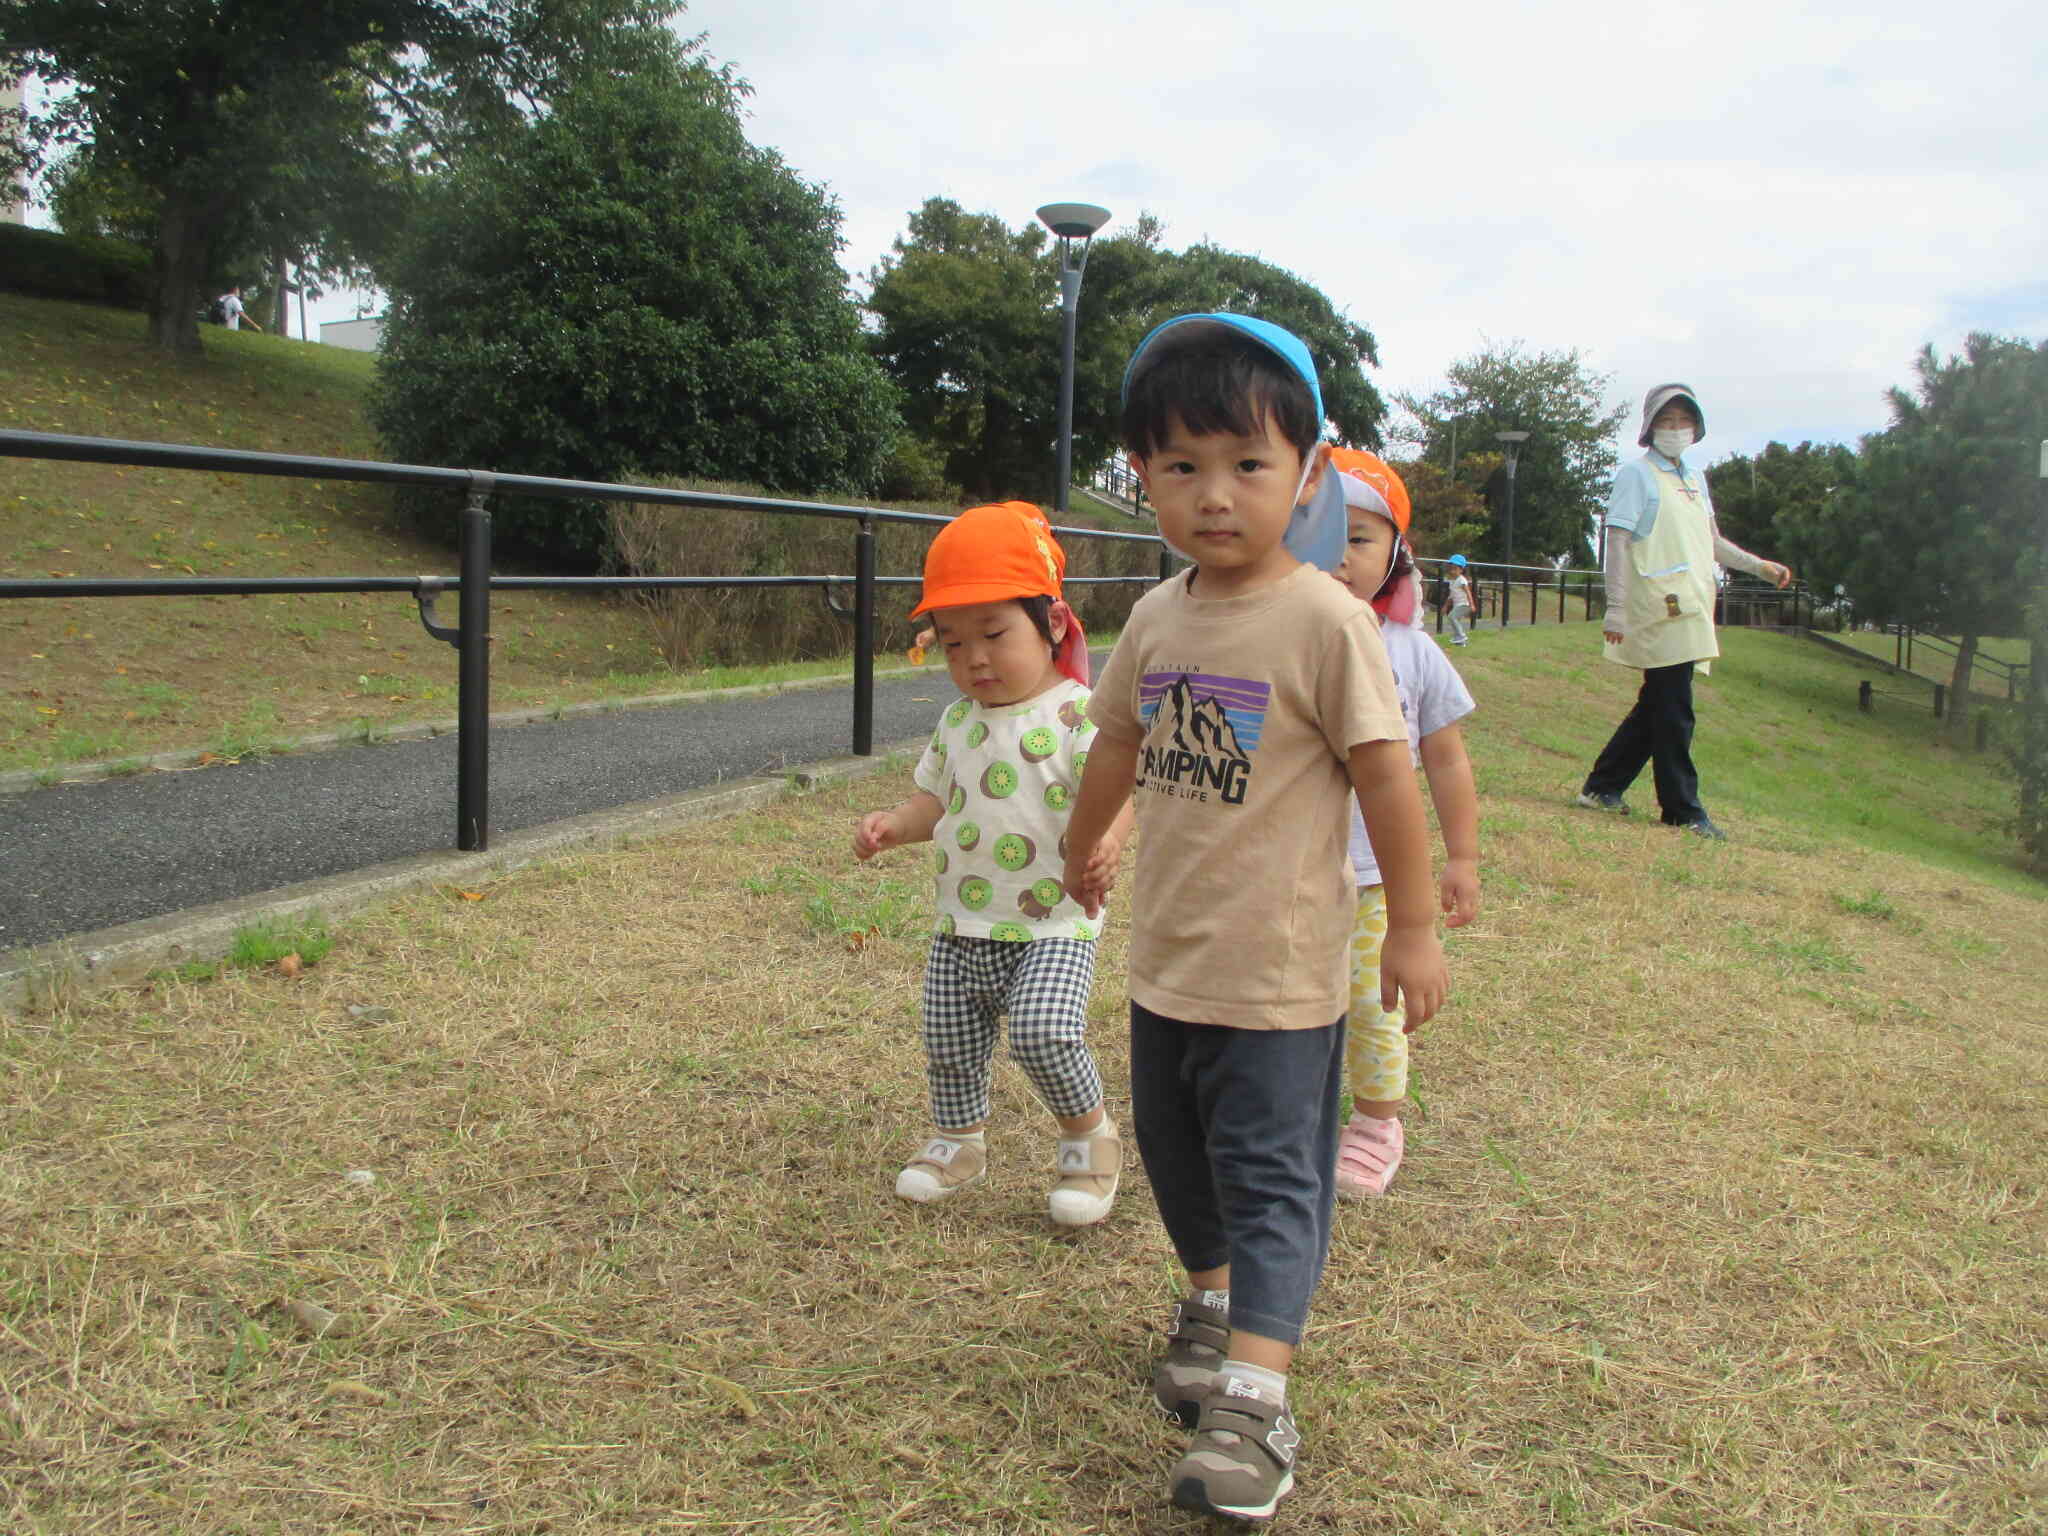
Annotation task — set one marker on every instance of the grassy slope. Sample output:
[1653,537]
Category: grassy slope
[1723,1215]
[111,678]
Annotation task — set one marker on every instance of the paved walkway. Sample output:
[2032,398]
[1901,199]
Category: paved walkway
[79,857]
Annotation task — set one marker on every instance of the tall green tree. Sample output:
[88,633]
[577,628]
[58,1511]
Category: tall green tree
[1754,495]
[1564,469]
[967,322]
[627,287]
[211,104]
[1938,526]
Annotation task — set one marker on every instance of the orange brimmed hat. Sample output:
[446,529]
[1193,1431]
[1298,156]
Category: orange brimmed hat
[1383,491]
[991,554]
[995,554]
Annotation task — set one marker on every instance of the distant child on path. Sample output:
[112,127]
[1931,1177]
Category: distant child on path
[1461,599]
[1247,700]
[994,791]
[1379,570]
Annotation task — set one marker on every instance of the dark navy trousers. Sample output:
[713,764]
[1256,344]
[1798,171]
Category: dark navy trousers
[1238,1132]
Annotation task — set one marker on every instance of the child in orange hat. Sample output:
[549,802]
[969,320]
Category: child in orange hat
[994,789]
[1378,570]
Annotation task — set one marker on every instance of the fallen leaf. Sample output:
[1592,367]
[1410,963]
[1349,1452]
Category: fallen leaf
[471,895]
[358,1392]
[317,1320]
[290,966]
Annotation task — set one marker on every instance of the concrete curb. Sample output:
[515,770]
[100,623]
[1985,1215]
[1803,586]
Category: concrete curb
[17,781]
[131,951]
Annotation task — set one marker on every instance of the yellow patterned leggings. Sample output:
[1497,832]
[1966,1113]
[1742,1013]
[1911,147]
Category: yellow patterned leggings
[1375,1047]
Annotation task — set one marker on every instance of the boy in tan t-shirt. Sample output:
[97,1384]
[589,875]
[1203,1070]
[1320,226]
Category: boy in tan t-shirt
[1247,700]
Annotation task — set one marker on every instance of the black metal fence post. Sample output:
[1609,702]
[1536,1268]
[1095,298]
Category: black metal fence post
[473,705]
[864,640]
[1165,562]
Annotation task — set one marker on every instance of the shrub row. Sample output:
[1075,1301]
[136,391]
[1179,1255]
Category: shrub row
[711,628]
[91,268]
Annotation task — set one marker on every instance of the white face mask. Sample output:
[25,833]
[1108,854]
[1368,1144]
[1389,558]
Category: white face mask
[1671,441]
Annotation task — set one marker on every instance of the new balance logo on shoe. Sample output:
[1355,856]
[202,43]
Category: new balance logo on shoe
[942,1151]
[1283,1439]
[1242,1389]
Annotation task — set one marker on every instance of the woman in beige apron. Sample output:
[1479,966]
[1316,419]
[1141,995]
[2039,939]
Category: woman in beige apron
[1661,546]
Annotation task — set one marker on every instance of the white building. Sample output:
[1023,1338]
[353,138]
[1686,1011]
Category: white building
[364,335]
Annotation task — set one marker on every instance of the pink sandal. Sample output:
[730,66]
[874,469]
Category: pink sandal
[1368,1152]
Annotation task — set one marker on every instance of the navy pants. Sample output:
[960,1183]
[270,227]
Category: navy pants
[1658,731]
[1238,1132]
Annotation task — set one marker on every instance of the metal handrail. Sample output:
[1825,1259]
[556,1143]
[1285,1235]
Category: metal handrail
[470,636]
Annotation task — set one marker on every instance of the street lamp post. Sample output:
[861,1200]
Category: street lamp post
[1512,442]
[1075,225]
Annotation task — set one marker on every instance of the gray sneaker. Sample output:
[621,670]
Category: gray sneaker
[1196,1344]
[1241,1462]
[1593,802]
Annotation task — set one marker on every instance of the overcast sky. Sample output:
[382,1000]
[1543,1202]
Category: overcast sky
[1777,203]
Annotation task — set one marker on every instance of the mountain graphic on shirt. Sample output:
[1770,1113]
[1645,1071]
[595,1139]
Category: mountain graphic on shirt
[1196,725]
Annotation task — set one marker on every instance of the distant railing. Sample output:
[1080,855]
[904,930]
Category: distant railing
[470,634]
[1118,479]
[1904,638]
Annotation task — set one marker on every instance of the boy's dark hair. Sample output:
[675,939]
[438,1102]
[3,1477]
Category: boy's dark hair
[1213,378]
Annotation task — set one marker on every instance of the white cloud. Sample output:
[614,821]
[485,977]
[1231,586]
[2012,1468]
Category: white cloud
[1779,204]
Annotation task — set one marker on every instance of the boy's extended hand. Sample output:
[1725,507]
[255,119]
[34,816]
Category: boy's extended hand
[1103,864]
[1458,890]
[1412,974]
[877,831]
[1089,875]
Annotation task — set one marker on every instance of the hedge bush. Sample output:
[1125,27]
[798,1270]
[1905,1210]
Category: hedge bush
[91,268]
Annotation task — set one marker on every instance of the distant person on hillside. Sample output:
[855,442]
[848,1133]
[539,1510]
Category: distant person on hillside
[1461,600]
[1661,547]
[1378,570]
[994,790]
[232,315]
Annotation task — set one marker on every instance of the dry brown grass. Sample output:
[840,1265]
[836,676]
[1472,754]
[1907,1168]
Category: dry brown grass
[1724,1215]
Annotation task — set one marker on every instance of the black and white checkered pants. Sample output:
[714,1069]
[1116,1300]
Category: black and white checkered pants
[1043,986]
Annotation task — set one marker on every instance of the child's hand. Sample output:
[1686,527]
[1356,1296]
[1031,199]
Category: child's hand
[878,830]
[1458,890]
[1412,974]
[1083,882]
[1103,864]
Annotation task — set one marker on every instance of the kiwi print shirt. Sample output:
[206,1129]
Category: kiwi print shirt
[1007,778]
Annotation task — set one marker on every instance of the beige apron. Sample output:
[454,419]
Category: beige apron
[1670,613]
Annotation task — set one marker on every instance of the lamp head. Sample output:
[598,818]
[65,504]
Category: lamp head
[1073,221]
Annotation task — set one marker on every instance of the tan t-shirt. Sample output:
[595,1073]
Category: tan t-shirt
[1245,709]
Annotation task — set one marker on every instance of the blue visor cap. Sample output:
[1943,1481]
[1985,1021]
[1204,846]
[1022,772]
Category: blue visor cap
[1316,533]
[1283,344]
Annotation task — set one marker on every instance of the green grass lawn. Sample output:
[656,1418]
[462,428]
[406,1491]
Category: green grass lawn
[111,679]
[564,1203]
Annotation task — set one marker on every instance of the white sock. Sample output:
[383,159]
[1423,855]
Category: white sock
[1272,1385]
[1101,1127]
[966,1138]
